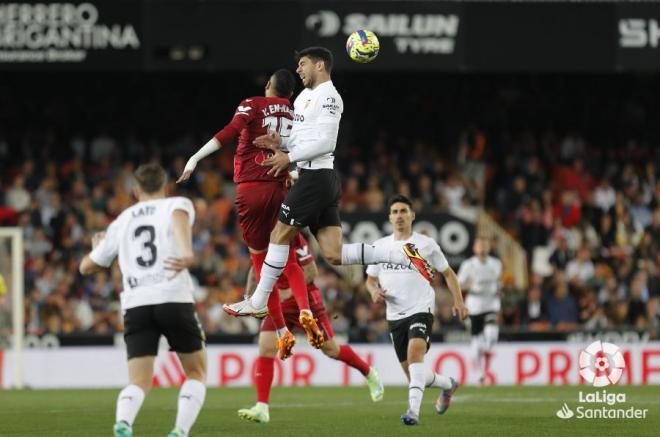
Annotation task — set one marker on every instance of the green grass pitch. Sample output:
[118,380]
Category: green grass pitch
[343,412]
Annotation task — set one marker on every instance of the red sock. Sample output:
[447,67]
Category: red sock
[263,377]
[348,355]
[258,262]
[274,307]
[296,276]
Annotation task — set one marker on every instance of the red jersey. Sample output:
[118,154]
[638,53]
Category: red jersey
[255,117]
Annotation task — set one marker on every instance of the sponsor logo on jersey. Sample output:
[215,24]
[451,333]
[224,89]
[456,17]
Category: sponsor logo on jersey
[263,155]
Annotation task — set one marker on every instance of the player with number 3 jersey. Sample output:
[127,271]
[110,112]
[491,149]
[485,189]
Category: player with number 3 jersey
[153,242]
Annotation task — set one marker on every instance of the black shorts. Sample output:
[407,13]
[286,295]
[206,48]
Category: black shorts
[313,201]
[178,322]
[478,321]
[416,326]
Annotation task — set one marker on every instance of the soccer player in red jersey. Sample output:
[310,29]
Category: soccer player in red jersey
[260,195]
[267,338]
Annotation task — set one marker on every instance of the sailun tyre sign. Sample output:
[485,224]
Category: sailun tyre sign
[103,33]
[430,33]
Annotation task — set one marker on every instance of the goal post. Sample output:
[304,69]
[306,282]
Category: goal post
[17,298]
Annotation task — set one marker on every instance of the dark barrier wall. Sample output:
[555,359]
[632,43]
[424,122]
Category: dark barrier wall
[262,34]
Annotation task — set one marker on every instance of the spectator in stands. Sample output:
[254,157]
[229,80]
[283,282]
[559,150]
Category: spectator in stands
[533,310]
[562,309]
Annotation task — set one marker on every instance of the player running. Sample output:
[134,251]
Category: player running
[267,339]
[153,240]
[410,302]
[480,276]
[313,201]
[260,194]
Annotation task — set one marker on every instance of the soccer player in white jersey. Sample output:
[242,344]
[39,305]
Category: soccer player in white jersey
[480,276]
[153,240]
[410,302]
[313,201]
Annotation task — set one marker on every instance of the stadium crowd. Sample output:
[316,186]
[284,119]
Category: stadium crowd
[593,210]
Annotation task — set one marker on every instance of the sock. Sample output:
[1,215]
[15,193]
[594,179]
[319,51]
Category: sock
[360,253]
[436,380]
[348,356]
[491,332]
[274,307]
[191,399]
[296,277]
[129,402]
[263,378]
[272,268]
[416,387]
[475,343]
[258,262]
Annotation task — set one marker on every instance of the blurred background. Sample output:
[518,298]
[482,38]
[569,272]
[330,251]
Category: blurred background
[548,143]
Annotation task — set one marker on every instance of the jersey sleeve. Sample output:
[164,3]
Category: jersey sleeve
[108,248]
[245,113]
[330,108]
[373,270]
[437,258]
[184,204]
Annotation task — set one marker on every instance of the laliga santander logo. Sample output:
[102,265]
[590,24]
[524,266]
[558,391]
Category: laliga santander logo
[601,364]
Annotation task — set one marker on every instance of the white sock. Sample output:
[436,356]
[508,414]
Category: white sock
[416,387]
[129,402]
[274,264]
[281,331]
[191,399]
[263,405]
[436,380]
[360,253]
[477,351]
[491,333]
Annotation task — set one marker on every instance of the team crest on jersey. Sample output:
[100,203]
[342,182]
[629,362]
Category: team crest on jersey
[263,155]
[307,103]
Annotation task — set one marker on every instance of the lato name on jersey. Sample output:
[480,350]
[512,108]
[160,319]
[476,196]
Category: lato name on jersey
[143,211]
[276,108]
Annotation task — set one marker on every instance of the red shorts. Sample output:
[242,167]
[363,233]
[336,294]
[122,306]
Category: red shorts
[258,206]
[291,313]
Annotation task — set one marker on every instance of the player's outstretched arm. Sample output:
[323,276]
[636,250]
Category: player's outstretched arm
[207,149]
[452,282]
[183,237]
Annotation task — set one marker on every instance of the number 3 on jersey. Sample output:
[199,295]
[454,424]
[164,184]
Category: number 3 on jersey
[149,251]
[281,125]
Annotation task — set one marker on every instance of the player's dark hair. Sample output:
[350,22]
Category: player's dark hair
[399,198]
[317,54]
[150,177]
[283,82]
